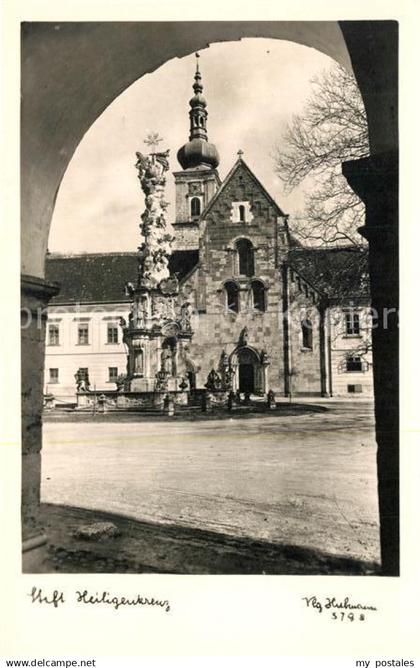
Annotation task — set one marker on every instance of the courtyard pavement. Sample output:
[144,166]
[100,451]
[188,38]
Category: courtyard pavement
[307,480]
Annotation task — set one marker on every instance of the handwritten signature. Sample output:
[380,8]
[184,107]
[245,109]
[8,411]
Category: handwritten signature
[332,603]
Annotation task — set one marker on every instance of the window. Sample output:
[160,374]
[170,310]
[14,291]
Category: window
[83,335]
[112,334]
[352,324]
[354,363]
[258,296]
[112,374]
[306,326]
[53,376]
[232,296]
[245,257]
[53,335]
[195,207]
[354,389]
[241,213]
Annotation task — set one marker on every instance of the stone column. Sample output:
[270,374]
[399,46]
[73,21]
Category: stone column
[35,295]
[375,180]
[323,351]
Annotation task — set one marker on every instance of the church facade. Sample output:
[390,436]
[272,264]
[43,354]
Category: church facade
[255,304]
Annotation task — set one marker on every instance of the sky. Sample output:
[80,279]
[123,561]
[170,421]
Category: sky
[253,88]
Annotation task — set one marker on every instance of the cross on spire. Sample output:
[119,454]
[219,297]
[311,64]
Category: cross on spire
[240,154]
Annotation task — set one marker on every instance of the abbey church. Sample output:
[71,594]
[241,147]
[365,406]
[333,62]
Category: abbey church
[258,303]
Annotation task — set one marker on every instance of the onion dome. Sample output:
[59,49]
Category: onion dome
[198,152]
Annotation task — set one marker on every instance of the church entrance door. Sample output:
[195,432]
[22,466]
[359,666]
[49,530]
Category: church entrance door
[246,378]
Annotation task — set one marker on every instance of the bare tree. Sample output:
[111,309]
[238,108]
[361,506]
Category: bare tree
[331,129]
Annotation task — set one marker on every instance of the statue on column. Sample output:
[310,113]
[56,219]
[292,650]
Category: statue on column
[166,361]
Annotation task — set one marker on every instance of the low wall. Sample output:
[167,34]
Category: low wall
[114,400]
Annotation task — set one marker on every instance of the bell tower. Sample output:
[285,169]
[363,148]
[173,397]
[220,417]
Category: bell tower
[199,180]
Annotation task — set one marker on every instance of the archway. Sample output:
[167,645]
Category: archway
[76,54]
[249,376]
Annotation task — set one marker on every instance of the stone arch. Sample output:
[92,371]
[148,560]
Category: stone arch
[248,371]
[69,83]
[75,53]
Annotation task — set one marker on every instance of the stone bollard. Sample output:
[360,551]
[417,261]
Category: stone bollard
[204,402]
[169,405]
[231,399]
[271,400]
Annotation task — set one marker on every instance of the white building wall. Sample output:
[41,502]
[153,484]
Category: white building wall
[97,356]
[342,345]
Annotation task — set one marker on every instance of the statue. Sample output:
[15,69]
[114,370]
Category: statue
[129,289]
[138,315]
[166,361]
[229,373]
[82,381]
[214,381]
[120,382]
[185,320]
[162,159]
[271,399]
[183,384]
[224,360]
[161,382]
[243,337]
[264,358]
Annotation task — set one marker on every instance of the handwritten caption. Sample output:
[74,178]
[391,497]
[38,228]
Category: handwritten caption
[57,598]
[339,610]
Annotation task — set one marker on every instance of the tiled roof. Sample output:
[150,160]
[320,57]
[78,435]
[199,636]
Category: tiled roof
[101,277]
[339,272]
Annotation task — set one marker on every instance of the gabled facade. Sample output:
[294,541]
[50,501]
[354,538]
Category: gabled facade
[237,287]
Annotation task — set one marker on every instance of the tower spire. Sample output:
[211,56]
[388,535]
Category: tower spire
[198,152]
[197,86]
[198,104]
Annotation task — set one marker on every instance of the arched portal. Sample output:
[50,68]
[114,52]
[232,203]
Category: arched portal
[249,376]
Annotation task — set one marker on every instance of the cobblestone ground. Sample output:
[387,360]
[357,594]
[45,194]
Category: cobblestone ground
[307,480]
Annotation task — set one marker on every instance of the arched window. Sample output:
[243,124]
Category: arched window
[241,213]
[232,296]
[306,325]
[258,296]
[195,207]
[245,257]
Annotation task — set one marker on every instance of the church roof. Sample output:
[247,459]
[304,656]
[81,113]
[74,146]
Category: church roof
[340,272]
[240,163]
[101,277]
